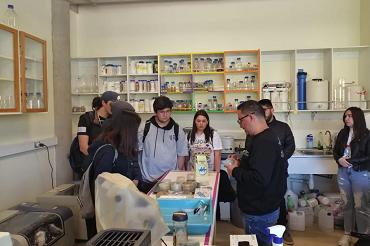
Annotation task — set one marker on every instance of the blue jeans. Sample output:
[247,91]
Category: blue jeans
[254,224]
[355,192]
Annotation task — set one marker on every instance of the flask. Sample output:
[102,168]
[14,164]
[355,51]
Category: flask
[239,65]
[320,142]
[246,83]
[241,85]
[228,85]
[236,104]
[11,18]
[180,228]
[252,87]
[347,151]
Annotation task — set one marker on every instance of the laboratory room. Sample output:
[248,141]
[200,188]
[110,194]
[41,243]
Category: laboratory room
[185,122]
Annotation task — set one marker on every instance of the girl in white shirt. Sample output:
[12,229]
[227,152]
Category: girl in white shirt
[204,140]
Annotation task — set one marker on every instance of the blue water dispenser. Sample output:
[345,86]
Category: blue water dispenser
[301,78]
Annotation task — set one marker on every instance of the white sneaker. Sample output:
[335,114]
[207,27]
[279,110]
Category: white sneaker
[345,240]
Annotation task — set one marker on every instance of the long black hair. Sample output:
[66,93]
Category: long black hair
[207,130]
[121,132]
[359,124]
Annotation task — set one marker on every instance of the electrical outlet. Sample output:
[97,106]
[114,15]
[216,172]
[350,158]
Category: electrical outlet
[37,145]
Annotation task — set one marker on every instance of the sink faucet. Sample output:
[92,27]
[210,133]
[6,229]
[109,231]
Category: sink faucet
[330,147]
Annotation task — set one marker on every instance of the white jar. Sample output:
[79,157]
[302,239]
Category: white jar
[139,68]
[152,103]
[109,69]
[117,86]
[141,106]
[152,86]
[132,85]
[149,66]
[136,105]
[147,105]
[119,69]
[132,67]
[141,84]
[111,86]
[145,68]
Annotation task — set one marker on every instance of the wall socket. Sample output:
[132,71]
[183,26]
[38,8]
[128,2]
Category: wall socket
[37,144]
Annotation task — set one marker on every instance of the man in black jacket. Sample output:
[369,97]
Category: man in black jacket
[286,137]
[259,174]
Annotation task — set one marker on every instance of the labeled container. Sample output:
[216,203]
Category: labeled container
[197,224]
[309,141]
[301,79]
[317,94]
[309,215]
[180,228]
[296,220]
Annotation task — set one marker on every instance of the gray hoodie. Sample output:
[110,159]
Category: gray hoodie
[160,151]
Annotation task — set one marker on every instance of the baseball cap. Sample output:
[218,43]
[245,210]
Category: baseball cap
[118,106]
[110,96]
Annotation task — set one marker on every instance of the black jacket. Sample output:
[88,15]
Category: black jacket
[127,166]
[261,182]
[285,135]
[360,151]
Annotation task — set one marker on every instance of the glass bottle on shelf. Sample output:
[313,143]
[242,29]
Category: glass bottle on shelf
[170,69]
[241,85]
[185,105]
[228,84]
[210,104]
[252,85]
[188,67]
[232,66]
[209,65]
[196,65]
[165,67]
[220,65]
[215,65]
[246,83]
[175,68]
[229,106]
[215,103]
[189,105]
[249,98]
[235,85]
[30,100]
[39,101]
[11,18]
[210,85]
[239,65]
[201,65]
[173,86]
[236,104]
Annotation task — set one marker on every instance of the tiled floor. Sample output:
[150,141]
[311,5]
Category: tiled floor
[313,236]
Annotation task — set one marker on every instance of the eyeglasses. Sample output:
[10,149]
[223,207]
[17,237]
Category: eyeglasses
[241,119]
[164,112]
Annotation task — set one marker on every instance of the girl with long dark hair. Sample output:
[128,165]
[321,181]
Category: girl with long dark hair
[121,133]
[204,140]
[354,176]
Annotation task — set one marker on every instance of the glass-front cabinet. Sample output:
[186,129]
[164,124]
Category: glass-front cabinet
[9,70]
[33,74]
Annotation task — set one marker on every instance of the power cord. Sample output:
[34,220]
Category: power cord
[51,166]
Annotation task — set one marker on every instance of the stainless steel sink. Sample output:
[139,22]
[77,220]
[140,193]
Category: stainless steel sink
[314,152]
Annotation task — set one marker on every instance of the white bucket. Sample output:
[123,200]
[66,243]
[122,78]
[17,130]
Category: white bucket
[296,221]
[317,92]
[309,215]
[284,99]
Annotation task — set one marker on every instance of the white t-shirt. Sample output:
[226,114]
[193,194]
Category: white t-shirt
[201,147]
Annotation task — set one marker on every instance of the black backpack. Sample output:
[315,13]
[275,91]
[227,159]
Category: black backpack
[75,156]
[147,127]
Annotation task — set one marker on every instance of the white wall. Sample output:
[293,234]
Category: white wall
[198,26]
[26,175]
[365,22]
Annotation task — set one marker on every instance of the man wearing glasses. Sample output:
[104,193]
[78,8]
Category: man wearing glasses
[259,174]
[162,145]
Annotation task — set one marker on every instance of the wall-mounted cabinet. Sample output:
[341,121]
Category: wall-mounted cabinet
[9,70]
[33,73]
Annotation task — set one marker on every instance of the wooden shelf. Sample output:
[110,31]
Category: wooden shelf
[6,79]
[39,79]
[153,74]
[112,76]
[244,71]
[242,90]
[6,58]
[33,59]
[176,74]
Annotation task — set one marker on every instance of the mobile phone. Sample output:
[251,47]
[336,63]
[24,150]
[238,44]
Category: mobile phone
[243,243]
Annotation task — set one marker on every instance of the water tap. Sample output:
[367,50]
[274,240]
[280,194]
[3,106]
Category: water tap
[330,146]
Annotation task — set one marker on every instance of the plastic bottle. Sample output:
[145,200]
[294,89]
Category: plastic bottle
[149,68]
[11,18]
[320,140]
[302,203]
[309,141]
[294,197]
[309,215]
[326,221]
[290,203]
[239,65]
[296,220]
[347,151]
[276,234]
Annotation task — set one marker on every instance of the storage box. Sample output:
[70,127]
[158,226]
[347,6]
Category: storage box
[197,224]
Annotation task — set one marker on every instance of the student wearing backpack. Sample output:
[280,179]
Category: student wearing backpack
[163,145]
[89,125]
[121,134]
[204,140]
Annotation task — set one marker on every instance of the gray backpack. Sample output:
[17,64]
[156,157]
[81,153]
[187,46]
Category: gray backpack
[84,198]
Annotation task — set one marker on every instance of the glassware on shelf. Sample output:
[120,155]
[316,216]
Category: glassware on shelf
[246,83]
[196,65]
[236,104]
[219,107]
[39,101]
[241,85]
[252,87]
[188,67]
[233,66]
[239,65]
[202,65]
[30,101]
[228,84]
[11,18]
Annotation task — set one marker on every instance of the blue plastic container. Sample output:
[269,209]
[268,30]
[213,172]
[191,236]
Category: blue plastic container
[197,224]
[301,78]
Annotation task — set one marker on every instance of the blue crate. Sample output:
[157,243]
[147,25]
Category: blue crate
[197,224]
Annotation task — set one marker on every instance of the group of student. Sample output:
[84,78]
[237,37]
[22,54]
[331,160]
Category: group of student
[148,150]
[145,151]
